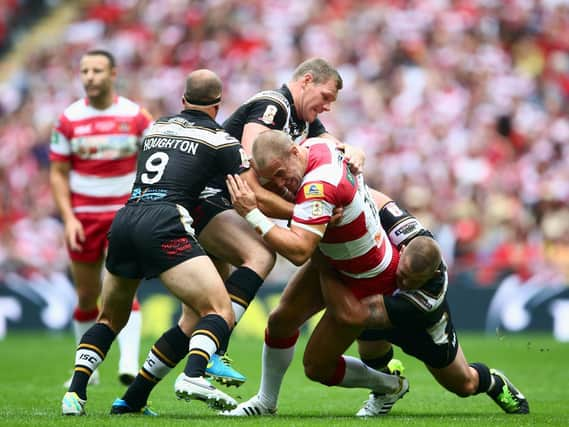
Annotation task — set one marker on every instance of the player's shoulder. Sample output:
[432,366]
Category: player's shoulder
[81,109]
[127,105]
[321,150]
[76,109]
[319,143]
[272,96]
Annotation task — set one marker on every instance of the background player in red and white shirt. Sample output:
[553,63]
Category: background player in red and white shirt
[93,163]
[356,246]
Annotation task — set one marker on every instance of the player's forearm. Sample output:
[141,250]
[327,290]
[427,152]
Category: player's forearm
[289,244]
[273,205]
[268,202]
[61,193]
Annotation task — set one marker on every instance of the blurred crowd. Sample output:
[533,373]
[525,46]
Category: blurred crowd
[17,15]
[461,106]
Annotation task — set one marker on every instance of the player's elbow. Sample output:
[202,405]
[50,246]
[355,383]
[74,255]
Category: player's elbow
[299,257]
[298,260]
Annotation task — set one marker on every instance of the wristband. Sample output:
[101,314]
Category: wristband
[259,221]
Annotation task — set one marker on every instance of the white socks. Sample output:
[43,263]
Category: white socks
[359,375]
[129,344]
[275,364]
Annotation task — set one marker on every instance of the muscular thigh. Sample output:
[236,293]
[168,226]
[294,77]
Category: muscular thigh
[301,299]
[198,285]
[230,238]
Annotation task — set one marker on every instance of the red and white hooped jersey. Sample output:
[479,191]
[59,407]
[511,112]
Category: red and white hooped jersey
[102,146]
[357,247]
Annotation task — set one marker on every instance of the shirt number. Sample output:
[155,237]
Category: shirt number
[156,164]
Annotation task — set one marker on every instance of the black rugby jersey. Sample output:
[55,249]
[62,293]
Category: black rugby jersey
[275,110]
[180,154]
[421,308]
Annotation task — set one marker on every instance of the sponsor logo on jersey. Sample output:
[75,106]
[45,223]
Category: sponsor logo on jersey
[105,126]
[180,121]
[393,209]
[312,191]
[269,115]
[124,127]
[317,209]
[83,129]
[407,229]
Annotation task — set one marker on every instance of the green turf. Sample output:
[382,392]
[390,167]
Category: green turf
[34,367]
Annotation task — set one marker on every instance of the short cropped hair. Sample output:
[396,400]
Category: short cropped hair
[105,53]
[321,72]
[270,145]
[424,254]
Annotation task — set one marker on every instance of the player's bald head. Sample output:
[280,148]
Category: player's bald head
[203,88]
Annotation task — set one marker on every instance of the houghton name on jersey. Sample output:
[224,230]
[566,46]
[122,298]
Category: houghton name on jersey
[180,154]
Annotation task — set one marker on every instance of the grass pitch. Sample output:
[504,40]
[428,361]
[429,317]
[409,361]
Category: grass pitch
[34,367]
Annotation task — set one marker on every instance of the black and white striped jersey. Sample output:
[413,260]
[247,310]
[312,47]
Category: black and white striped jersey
[180,154]
[275,110]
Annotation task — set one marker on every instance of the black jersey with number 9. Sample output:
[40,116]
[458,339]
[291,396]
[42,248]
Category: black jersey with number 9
[180,154]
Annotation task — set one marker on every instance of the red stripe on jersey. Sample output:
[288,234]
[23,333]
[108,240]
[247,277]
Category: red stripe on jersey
[355,229]
[64,126]
[104,167]
[320,154]
[54,157]
[105,125]
[384,283]
[362,263]
[142,120]
[78,200]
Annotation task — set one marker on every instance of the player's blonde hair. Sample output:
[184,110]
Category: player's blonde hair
[424,255]
[320,70]
[270,145]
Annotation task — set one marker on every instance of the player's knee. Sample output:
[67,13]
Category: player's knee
[277,323]
[315,371]
[228,315]
[115,323]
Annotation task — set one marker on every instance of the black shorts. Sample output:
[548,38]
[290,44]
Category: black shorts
[206,209]
[436,346]
[147,239]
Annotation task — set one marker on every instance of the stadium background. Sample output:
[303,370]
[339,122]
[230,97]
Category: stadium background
[461,107]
